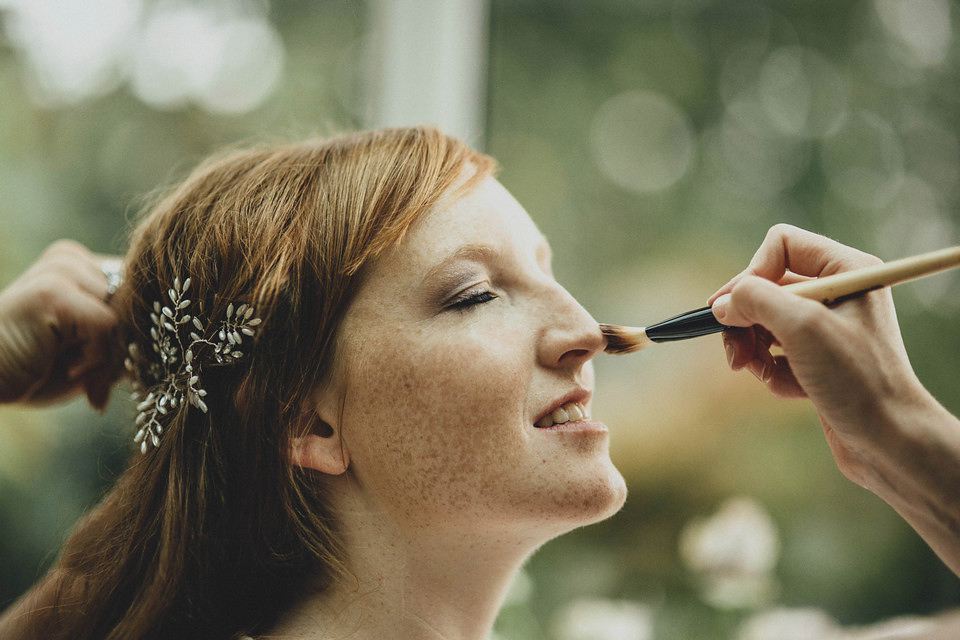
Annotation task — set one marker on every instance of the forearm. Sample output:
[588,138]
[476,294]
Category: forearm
[918,473]
[16,379]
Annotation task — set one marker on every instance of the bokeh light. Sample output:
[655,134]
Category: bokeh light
[922,27]
[222,61]
[864,161]
[802,93]
[642,141]
[71,48]
[224,57]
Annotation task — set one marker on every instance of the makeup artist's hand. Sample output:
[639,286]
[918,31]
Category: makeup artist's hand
[886,431]
[848,359]
[57,330]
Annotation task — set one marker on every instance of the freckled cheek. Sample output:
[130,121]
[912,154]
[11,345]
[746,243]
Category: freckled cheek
[433,420]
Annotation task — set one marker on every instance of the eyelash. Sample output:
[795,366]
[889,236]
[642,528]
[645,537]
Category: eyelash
[472,300]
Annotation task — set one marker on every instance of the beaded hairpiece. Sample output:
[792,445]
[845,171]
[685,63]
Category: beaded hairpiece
[176,377]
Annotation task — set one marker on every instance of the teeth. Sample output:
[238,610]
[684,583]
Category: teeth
[566,413]
[575,412]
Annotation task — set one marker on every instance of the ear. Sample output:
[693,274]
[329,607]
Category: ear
[318,445]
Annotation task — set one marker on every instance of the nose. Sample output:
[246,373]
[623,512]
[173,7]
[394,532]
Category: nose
[570,336]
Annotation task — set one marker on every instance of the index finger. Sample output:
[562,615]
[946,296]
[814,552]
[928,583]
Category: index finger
[791,254]
[78,265]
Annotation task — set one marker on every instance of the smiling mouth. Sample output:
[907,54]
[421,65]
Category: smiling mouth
[569,412]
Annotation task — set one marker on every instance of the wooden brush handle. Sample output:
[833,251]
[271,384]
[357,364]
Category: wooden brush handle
[840,286]
[828,290]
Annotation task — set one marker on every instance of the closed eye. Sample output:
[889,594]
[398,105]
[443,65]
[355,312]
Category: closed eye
[467,300]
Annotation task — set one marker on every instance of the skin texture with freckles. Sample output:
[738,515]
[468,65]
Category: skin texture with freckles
[448,397]
[457,342]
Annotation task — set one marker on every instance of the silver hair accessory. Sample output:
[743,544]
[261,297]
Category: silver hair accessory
[177,375]
[113,270]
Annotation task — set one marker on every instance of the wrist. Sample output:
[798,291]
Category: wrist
[920,472]
[917,458]
[9,391]
[19,373]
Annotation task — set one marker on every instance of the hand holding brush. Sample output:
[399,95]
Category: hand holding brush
[887,433]
[828,289]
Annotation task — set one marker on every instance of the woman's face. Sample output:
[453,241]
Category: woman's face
[458,344]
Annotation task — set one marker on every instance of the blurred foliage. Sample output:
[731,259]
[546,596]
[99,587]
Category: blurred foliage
[837,116]
[654,141]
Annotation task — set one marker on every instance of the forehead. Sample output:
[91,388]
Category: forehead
[487,217]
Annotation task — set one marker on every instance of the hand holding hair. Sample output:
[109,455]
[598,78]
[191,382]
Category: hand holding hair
[57,329]
[886,431]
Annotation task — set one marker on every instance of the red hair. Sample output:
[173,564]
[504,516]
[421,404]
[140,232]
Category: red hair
[214,533]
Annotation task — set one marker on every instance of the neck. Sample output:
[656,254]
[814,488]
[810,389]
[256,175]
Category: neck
[410,582]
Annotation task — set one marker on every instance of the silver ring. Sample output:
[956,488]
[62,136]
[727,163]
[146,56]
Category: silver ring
[113,270]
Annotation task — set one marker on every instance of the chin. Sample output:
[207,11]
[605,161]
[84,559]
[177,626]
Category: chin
[608,497]
[591,499]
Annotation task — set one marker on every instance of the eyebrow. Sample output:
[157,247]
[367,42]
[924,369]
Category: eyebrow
[468,252]
[480,253]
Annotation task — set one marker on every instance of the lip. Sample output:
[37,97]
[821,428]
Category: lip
[581,396]
[579,426]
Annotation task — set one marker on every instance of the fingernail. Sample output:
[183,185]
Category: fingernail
[720,307]
[731,353]
[766,373]
[98,395]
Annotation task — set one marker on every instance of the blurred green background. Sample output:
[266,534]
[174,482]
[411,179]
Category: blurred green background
[654,141]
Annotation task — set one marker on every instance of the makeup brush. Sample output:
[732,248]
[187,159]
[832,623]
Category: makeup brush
[828,290]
